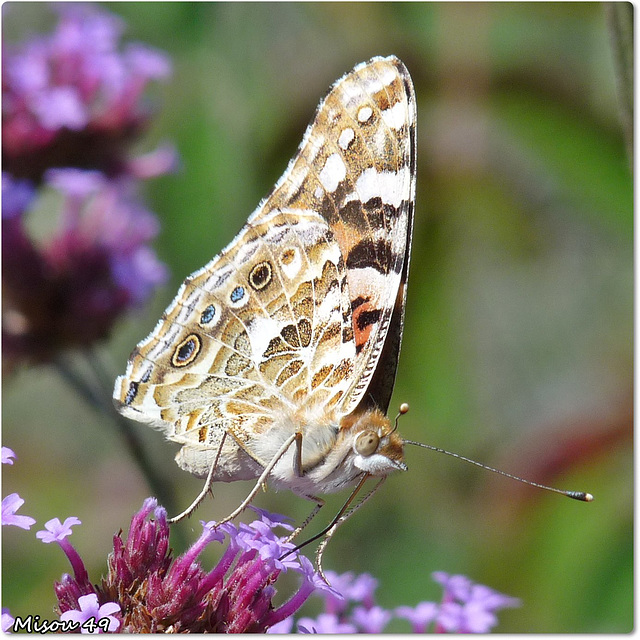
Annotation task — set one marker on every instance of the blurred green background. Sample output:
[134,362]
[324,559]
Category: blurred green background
[519,328]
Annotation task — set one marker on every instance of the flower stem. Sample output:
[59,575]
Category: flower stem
[98,396]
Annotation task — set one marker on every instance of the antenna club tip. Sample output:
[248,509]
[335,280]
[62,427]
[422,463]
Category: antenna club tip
[580,495]
[404,408]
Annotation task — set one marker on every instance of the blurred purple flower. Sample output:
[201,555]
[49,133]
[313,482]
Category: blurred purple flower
[10,504]
[325,623]
[371,619]
[420,616]
[72,105]
[73,98]
[465,608]
[7,621]
[16,196]
[7,455]
[68,291]
[150,591]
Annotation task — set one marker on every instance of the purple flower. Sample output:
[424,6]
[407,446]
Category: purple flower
[467,607]
[91,617]
[7,621]
[10,505]
[325,623]
[420,616]
[16,196]
[69,290]
[7,455]
[56,531]
[371,620]
[72,106]
[69,589]
[150,591]
[73,98]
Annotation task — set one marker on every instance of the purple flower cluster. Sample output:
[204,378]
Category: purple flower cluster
[72,98]
[465,608]
[72,105]
[147,590]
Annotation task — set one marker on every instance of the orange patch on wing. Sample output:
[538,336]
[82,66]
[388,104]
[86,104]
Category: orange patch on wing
[361,328]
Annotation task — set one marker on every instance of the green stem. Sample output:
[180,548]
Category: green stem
[96,396]
[620,23]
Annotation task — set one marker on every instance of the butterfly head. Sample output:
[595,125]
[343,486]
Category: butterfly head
[376,447]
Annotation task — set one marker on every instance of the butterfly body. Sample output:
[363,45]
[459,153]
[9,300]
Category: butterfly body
[294,329]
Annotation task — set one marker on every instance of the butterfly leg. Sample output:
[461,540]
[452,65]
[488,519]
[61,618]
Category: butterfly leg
[261,480]
[207,487]
[319,504]
[342,515]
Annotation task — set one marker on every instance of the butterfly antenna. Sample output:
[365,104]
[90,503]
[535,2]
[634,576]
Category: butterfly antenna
[576,495]
[404,408]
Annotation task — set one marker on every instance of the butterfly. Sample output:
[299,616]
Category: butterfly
[276,360]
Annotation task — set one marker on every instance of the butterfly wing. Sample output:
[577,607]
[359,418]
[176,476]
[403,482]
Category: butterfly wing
[241,345]
[356,167]
[306,303]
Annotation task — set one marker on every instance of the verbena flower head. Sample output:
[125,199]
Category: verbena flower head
[73,98]
[146,589]
[68,290]
[72,107]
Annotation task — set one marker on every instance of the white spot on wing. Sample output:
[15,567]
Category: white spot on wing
[333,172]
[389,75]
[364,114]
[392,187]
[346,138]
[395,117]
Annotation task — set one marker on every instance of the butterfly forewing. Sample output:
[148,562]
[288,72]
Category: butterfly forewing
[283,331]
[356,167]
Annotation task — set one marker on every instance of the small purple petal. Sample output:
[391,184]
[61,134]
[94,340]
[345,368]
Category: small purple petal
[7,621]
[57,531]
[75,183]
[7,455]
[456,586]
[362,589]
[272,519]
[450,617]
[420,616]
[147,62]
[89,609]
[371,620]
[60,107]
[16,196]
[164,159]
[10,504]
[325,623]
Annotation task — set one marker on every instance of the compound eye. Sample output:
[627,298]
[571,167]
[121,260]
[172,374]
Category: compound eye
[366,443]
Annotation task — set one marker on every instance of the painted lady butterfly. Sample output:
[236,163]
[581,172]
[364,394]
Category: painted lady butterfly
[276,361]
